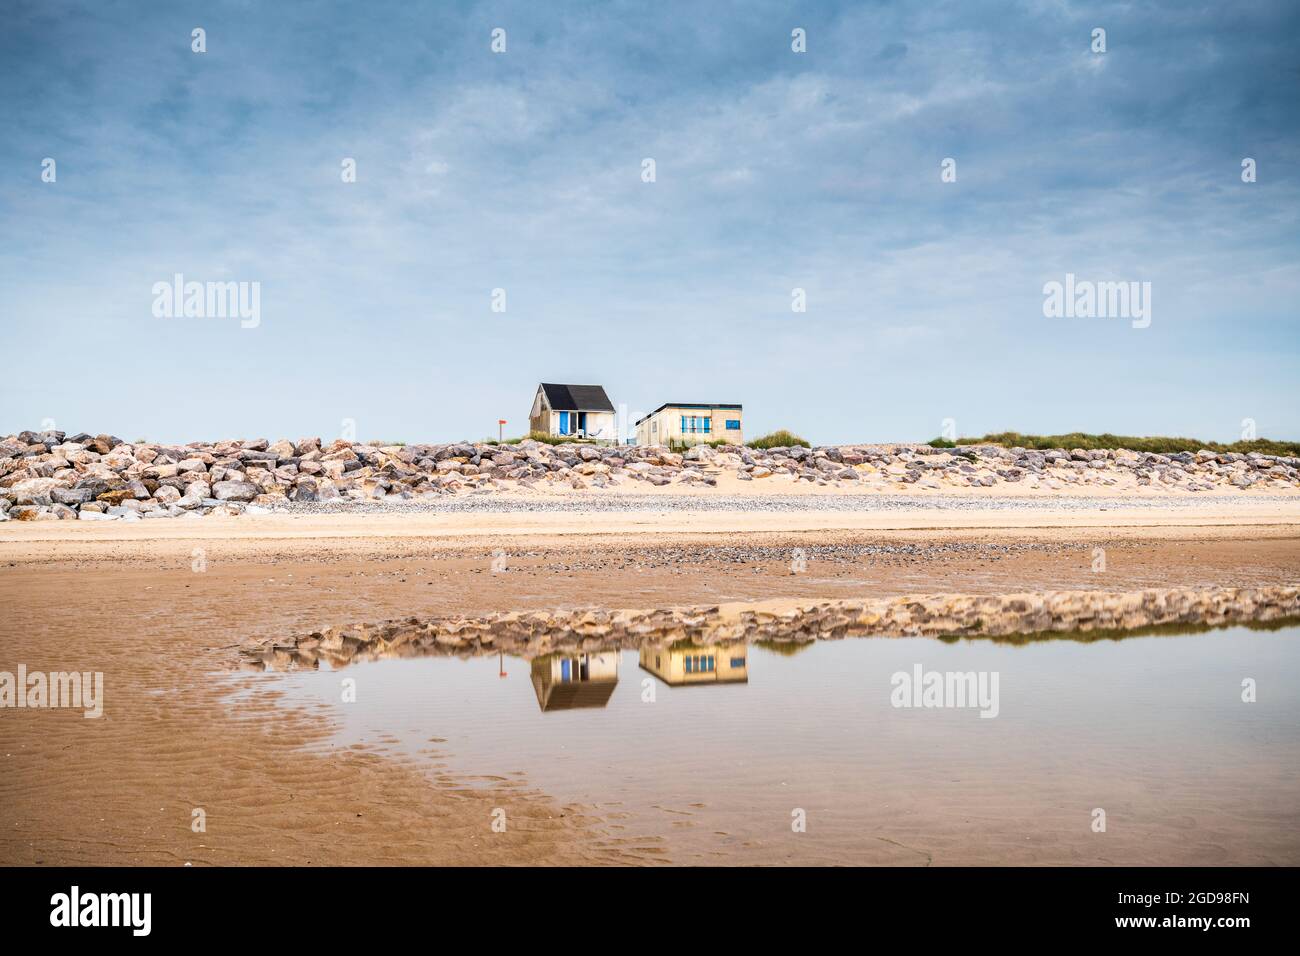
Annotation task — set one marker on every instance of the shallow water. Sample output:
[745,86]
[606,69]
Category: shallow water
[1153,730]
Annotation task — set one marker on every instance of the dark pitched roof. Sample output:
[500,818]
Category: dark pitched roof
[577,398]
[573,695]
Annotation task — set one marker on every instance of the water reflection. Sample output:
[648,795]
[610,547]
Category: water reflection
[1155,726]
[572,681]
[344,646]
[685,664]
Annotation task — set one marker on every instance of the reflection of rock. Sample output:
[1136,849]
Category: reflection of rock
[567,682]
[532,634]
[686,664]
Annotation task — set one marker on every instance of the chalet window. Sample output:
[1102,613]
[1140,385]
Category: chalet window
[733,424]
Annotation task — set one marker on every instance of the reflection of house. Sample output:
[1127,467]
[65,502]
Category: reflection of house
[580,411]
[569,681]
[686,664]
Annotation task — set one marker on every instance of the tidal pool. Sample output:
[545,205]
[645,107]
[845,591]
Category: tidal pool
[1156,749]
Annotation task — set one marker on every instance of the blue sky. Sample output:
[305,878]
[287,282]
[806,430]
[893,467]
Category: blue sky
[774,171]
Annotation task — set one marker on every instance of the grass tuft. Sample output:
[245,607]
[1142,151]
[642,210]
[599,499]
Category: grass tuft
[1105,441]
[779,439]
[545,439]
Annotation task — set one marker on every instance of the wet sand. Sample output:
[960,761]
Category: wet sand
[124,600]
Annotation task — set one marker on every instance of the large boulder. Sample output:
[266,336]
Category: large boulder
[235,491]
[31,513]
[167,494]
[71,496]
[198,489]
[305,490]
[35,491]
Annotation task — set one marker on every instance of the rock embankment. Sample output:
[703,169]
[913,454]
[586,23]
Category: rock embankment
[535,633]
[49,475]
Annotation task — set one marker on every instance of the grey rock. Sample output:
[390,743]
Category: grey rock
[71,496]
[234,491]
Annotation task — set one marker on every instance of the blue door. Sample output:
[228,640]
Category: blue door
[564,423]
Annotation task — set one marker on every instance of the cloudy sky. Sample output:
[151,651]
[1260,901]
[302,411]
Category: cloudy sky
[774,170]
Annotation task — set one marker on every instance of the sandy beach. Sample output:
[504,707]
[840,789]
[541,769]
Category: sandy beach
[180,732]
[671,436]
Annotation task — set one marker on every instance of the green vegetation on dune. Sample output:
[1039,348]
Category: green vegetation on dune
[1172,629]
[1090,442]
[542,437]
[785,648]
[779,439]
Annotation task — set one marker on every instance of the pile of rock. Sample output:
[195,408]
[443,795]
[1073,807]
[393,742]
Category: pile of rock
[536,633]
[985,466]
[49,475]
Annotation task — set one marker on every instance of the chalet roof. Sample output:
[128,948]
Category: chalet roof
[577,398]
[736,407]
